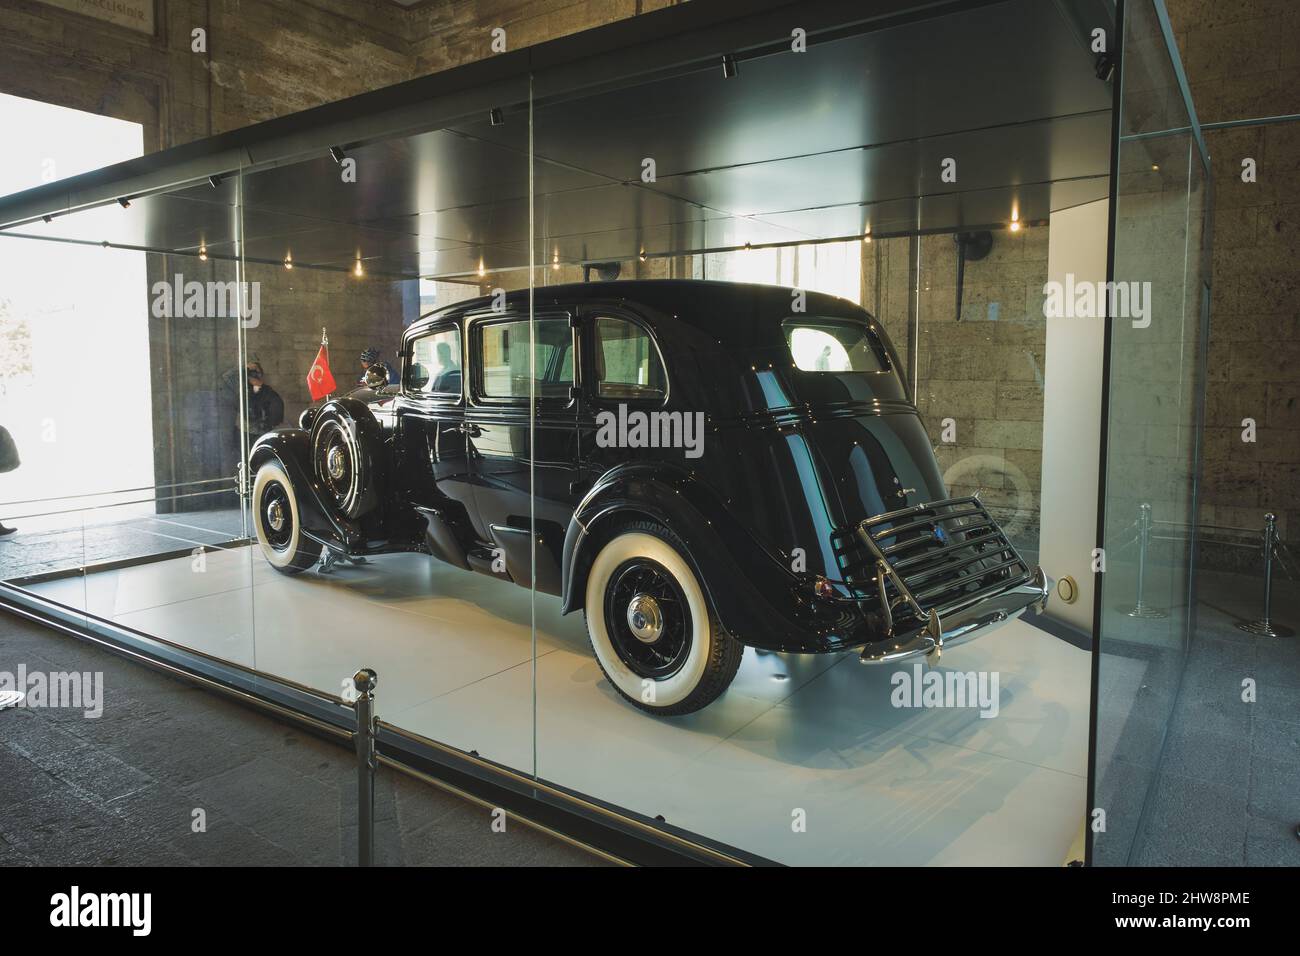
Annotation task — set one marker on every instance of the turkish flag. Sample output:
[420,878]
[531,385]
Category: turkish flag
[320,380]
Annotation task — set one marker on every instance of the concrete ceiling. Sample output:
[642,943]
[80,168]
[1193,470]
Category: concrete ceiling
[795,147]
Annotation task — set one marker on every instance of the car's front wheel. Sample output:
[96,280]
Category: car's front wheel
[276,520]
[651,627]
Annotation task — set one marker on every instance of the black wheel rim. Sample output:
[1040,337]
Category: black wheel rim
[642,592]
[276,515]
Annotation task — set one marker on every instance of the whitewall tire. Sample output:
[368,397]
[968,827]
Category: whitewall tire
[276,520]
[651,627]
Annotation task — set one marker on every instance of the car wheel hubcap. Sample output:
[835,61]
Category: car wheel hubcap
[275,516]
[645,619]
[336,462]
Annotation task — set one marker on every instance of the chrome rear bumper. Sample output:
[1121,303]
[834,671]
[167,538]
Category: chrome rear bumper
[945,574]
[976,620]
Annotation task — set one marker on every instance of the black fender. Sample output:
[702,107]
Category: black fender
[351,421]
[291,447]
[753,592]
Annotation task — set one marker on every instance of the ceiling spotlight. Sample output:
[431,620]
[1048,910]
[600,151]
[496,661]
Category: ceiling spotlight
[203,252]
[337,154]
[1155,167]
[728,66]
[866,236]
[496,117]
[481,270]
[1015,220]
[642,255]
[288,261]
[555,260]
[124,203]
[358,271]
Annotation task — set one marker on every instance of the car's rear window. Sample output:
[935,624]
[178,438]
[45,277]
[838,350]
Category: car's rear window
[828,345]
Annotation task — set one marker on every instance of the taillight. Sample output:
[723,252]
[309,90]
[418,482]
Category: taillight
[823,588]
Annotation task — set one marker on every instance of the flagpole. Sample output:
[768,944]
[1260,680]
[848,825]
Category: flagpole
[325,344]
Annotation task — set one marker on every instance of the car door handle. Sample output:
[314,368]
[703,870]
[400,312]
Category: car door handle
[468,428]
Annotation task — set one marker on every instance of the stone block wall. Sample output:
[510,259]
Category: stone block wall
[1243,62]
[984,371]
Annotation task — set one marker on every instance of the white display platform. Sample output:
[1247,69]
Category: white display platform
[818,734]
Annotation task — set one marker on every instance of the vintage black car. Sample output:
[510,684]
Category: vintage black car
[709,466]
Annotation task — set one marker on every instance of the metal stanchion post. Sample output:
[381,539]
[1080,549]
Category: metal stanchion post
[1141,608]
[364,681]
[1265,626]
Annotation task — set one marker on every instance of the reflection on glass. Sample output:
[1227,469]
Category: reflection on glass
[502,358]
[434,367]
[1151,476]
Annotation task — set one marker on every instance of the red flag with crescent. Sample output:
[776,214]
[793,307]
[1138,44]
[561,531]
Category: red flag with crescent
[320,381]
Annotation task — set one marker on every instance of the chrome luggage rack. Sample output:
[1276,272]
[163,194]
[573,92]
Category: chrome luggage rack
[944,572]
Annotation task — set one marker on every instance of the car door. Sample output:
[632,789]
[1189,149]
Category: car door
[429,419]
[624,372]
[513,454]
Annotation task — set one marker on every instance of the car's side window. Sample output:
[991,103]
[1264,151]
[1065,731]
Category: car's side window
[501,352]
[627,361]
[434,365]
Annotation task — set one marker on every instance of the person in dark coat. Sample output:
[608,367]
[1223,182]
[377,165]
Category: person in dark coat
[369,357]
[265,406]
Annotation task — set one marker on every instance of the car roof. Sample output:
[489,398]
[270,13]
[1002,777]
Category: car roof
[716,307]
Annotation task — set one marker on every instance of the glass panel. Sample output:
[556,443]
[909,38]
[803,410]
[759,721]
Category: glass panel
[121,391]
[980,372]
[1156,391]
[669,385]
[389,513]
[712,682]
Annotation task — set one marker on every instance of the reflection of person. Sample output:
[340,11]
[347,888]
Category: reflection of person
[446,361]
[371,357]
[446,377]
[824,360]
[265,406]
[8,462]
[228,419]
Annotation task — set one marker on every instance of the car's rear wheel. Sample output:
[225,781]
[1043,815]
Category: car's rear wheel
[276,521]
[651,627]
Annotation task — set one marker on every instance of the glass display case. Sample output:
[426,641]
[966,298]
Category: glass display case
[660,413]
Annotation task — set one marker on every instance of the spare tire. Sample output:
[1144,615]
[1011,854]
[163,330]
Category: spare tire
[347,448]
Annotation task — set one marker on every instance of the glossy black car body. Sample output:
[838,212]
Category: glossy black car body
[814,516]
